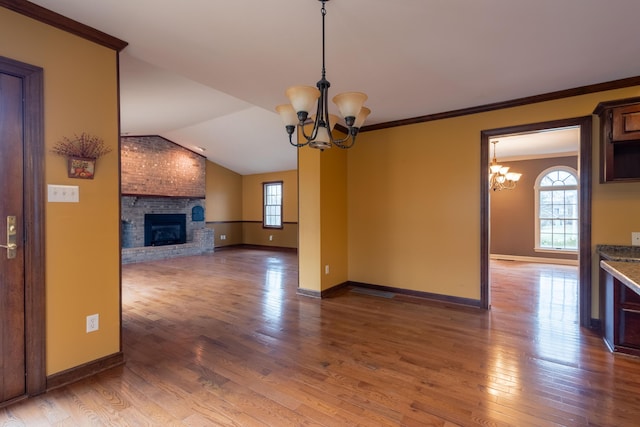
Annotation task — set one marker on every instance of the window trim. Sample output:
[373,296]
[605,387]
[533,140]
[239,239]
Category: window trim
[264,205]
[537,188]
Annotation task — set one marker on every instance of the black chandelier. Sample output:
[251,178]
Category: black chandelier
[302,98]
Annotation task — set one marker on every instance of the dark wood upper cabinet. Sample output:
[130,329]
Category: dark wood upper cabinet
[626,123]
[619,140]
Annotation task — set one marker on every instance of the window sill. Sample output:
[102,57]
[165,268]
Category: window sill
[557,251]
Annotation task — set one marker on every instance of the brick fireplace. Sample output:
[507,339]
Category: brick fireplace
[162,180]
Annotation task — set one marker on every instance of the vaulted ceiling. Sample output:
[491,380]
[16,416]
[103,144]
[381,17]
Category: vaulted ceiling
[208,73]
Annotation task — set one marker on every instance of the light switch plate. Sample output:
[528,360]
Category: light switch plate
[635,238]
[63,193]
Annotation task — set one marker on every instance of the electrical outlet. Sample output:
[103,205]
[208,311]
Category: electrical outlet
[326,269]
[93,323]
[270,237]
[223,237]
[635,238]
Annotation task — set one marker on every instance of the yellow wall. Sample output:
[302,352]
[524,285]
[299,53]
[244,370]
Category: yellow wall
[323,219]
[333,224]
[252,195]
[224,193]
[234,207]
[253,233]
[227,233]
[252,207]
[82,240]
[414,208]
[223,204]
[309,253]
[414,203]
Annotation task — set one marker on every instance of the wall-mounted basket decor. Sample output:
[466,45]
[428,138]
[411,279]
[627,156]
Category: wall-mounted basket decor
[79,167]
[81,152]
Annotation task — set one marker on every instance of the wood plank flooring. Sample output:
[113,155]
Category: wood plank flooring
[224,339]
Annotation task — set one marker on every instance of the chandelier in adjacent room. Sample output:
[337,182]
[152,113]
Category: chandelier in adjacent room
[499,176]
[302,98]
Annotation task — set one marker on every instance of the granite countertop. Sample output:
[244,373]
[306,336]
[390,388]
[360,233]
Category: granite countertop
[625,271]
[623,263]
[619,253]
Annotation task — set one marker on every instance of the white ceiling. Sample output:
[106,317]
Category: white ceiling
[208,73]
[543,144]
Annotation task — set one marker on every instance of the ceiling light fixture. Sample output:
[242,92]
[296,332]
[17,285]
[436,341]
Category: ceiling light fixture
[302,98]
[499,176]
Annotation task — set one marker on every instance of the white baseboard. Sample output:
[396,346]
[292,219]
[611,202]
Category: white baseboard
[534,259]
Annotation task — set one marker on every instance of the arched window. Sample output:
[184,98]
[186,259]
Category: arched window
[557,210]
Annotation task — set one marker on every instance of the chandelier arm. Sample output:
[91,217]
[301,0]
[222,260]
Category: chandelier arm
[341,143]
[323,110]
[314,130]
[325,106]
[351,134]
[309,138]
[290,131]
[295,144]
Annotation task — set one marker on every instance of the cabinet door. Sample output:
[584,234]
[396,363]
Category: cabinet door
[629,328]
[629,318]
[626,123]
[620,127]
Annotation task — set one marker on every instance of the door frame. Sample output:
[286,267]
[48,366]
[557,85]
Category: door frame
[34,221]
[585,175]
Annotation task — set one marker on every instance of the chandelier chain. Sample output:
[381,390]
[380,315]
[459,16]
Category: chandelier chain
[324,13]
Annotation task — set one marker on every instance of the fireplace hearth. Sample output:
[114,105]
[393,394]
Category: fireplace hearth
[165,229]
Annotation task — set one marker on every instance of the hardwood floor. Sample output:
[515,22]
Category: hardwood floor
[224,339]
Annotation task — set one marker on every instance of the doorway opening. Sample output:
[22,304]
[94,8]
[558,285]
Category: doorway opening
[584,168]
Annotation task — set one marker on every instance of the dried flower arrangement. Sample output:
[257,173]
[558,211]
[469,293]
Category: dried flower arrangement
[83,145]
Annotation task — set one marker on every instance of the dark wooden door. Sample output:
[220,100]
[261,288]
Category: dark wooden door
[12,283]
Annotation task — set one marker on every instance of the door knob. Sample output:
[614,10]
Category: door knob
[11,245]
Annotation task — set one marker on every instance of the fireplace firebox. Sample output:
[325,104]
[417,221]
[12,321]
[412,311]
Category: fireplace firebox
[165,229]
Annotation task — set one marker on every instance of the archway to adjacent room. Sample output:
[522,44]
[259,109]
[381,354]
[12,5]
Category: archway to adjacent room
[584,195]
